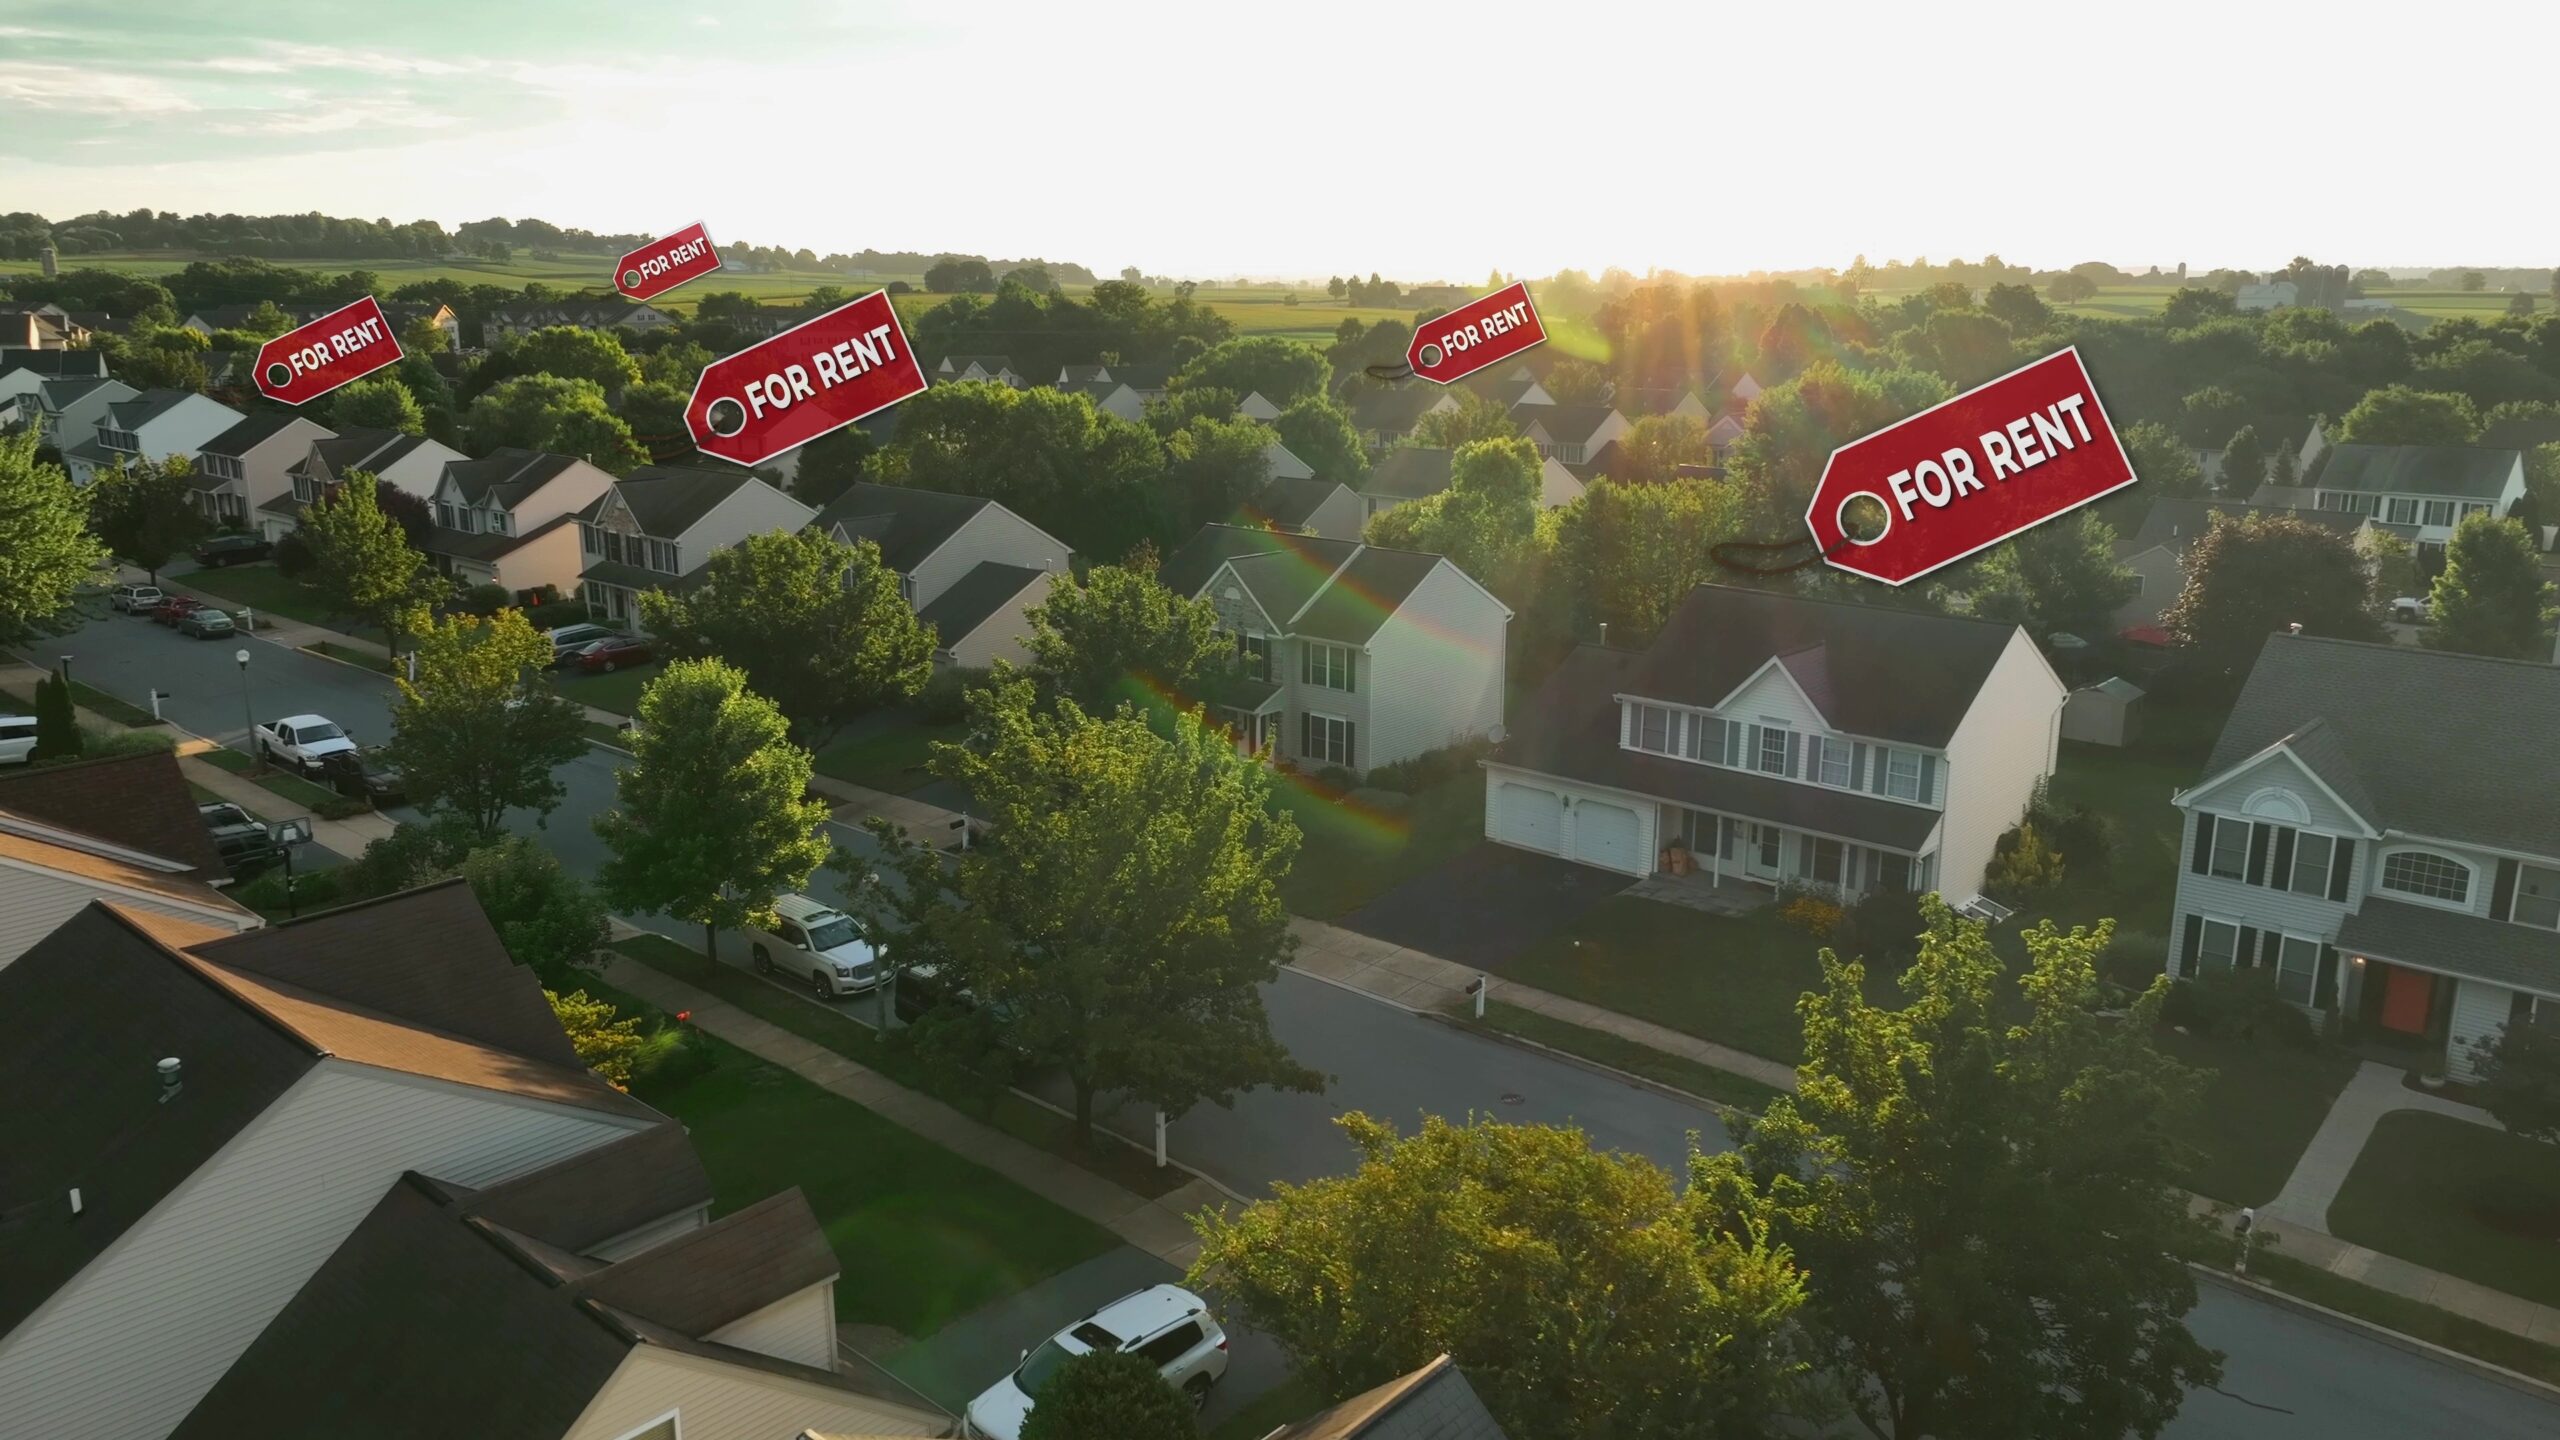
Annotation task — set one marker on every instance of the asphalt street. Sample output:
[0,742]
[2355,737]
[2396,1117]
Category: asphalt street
[2289,1374]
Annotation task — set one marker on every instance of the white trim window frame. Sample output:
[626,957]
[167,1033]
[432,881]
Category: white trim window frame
[2439,512]
[2403,510]
[2434,877]
[1655,729]
[2239,849]
[2305,844]
[2292,965]
[1327,666]
[2230,955]
[1771,758]
[1899,783]
[1328,739]
[1831,761]
[2537,898]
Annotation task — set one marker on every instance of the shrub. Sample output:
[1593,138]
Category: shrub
[603,1039]
[312,890]
[408,857]
[2087,835]
[1334,781]
[1431,768]
[2133,959]
[292,555]
[552,614]
[1111,1395]
[671,1054]
[945,700]
[1813,915]
[58,735]
[1886,927]
[481,600]
[2234,1004]
[2022,865]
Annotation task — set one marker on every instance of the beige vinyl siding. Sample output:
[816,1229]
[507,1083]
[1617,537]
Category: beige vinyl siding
[418,471]
[553,559]
[1557,486]
[994,533]
[799,1327]
[714,1400]
[1003,635]
[1435,669]
[572,490]
[262,470]
[129,1346]
[2163,577]
[34,903]
[751,509]
[2006,742]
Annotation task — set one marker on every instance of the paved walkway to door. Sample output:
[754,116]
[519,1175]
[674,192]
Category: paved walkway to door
[2375,1091]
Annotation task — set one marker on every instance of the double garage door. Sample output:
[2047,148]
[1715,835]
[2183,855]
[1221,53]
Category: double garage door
[1593,831]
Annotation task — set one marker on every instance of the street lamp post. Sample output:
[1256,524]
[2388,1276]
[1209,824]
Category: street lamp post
[248,715]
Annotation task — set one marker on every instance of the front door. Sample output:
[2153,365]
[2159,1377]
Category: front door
[2406,999]
[1762,857]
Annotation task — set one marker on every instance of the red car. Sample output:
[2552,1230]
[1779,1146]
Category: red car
[175,609]
[611,655]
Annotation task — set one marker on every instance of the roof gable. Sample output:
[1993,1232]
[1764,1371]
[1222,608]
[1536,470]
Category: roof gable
[138,801]
[969,601]
[906,523]
[668,500]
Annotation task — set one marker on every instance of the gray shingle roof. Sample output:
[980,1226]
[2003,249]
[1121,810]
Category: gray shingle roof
[507,475]
[1393,411]
[600,1194]
[251,432]
[63,389]
[2433,737]
[1564,424]
[668,499]
[1410,472]
[1355,587]
[2418,470]
[2473,946]
[2177,522]
[958,611]
[63,363]
[1433,1403]
[146,407]
[907,524]
[1289,501]
[1364,593]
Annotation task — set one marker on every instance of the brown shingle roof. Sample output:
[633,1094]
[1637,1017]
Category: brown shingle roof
[137,801]
[722,1272]
[108,870]
[599,1194]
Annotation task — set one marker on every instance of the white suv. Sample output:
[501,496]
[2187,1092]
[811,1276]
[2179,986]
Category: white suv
[1165,1323]
[135,599]
[17,738]
[809,938]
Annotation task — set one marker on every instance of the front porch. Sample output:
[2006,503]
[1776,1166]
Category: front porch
[1701,891]
[1731,864]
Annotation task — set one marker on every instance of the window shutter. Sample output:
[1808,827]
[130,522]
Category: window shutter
[2191,947]
[2280,872]
[1350,670]
[1306,662]
[1876,779]
[1795,755]
[1306,735]
[2260,834]
[1857,766]
[1350,745]
[1751,747]
[1928,779]
[2202,860]
[2342,864]
[2245,952]
[2502,897]
[2324,985]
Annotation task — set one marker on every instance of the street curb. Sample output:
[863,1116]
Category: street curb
[318,654]
[1724,1110]
[2410,1344]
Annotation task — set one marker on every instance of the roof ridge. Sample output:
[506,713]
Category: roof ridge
[2415,651]
[1794,597]
[193,966]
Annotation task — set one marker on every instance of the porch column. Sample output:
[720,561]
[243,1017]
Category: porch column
[1715,852]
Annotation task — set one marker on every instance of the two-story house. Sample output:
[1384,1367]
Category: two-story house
[1418,472]
[655,528]
[149,427]
[511,518]
[403,315]
[1783,740]
[2430,487]
[247,466]
[972,569]
[2370,828]
[1352,656]
[581,312]
[72,405]
[23,372]
[2156,550]
[1111,397]
[1384,415]
[122,829]
[198,1119]
[413,464]
[996,368]
[1570,433]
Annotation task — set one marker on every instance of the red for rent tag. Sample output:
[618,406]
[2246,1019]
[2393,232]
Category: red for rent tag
[301,365]
[815,377]
[1476,334]
[1968,473]
[662,265]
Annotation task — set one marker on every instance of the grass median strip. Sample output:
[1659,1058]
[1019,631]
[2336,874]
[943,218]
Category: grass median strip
[1619,1053]
[1024,1120]
[2413,1318]
[320,800]
[350,655]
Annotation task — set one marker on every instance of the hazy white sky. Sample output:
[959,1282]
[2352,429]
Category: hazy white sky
[1310,138]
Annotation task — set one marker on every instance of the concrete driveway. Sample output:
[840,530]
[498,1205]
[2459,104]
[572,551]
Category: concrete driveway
[1486,905]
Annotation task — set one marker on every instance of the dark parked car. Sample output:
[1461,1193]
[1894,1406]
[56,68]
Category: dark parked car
[569,640]
[243,840]
[366,774]
[175,609]
[224,550]
[206,623]
[615,654]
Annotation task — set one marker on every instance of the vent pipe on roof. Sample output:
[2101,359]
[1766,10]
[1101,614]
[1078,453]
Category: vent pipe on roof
[75,1199]
[168,1079]
[2293,628]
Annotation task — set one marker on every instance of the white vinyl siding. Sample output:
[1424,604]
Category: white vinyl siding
[2480,1011]
[130,1345]
[994,533]
[1003,635]
[34,903]
[752,509]
[2005,743]
[714,1400]
[2230,859]
[798,1327]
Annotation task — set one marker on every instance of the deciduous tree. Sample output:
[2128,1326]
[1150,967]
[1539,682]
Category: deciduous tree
[573,353]
[2244,463]
[1582,1293]
[2062,575]
[1117,635]
[50,549]
[1216,469]
[478,733]
[2519,1070]
[1284,371]
[2399,415]
[1093,480]
[378,401]
[1986,1207]
[1484,522]
[144,512]
[1110,1395]
[816,624]
[2491,598]
[547,412]
[1476,417]
[711,823]
[1317,431]
[1627,554]
[360,558]
[551,922]
[1655,447]
[832,464]
[2248,578]
[605,1041]
[1121,930]
[2165,464]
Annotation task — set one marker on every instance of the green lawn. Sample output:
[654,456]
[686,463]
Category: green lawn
[2408,1317]
[617,693]
[2261,1106]
[1352,851]
[268,591]
[1618,1053]
[889,759]
[319,800]
[603,734]
[1016,1116]
[924,1236]
[2460,1198]
[351,656]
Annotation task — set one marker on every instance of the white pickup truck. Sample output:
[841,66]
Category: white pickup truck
[303,742]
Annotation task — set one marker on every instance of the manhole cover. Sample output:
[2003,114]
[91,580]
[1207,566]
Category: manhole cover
[1510,1099]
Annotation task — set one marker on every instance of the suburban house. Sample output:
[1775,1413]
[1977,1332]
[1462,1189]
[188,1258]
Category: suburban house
[403,314]
[977,367]
[2429,486]
[24,370]
[1509,394]
[240,470]
[581,312]
[1110,397]
[123,830]
[1432,1403]
[1073,375]
[1352,656]
[1723,433]
[74,404]
[1254,407]
[200,1119]
[2156,552]
[2368,832]
[1310,506]
[1384,416]
[43,326]
[1780,740]
[1282,463]
[656,527]
[970,567]
[1679,400]
[150,426]
[411,463]
[511,519]
[1570,433]
[1150,381]
[1417,472]
[511,1312]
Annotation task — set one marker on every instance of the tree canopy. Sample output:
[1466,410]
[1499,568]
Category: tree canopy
[145,512]
[50,551]
[2400,415]
[1283,370]
[1484,522]
[1089,478]
[2062,575]
[1118,636]
[1110,1395]
[2248,578]
[379,401]
[478,732]
[555,414]
[2491,598]
[360,557]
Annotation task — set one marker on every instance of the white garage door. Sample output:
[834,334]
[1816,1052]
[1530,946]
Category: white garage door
[1531,818]
[1605,835]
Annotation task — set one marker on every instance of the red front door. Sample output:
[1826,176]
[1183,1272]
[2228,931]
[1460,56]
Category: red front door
[2405,997]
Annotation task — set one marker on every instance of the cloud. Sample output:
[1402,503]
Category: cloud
[85,90]
[315,115]
[277,56]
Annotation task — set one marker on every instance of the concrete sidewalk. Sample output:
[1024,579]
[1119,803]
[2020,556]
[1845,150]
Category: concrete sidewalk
[921,822]
[2373,1092]
[1418,981]
[1159,1227]
[2470,1300]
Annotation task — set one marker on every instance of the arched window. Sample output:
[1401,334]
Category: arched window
[2423,872]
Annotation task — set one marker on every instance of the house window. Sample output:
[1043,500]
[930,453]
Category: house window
[444,515]
[662,557]
[500,523]
[2404,511]
[589,540]
[2439,512]
[1325,739]
[2311,856]
[907,589]
[2469,510]
[2297,966]
[1828,857]
[1833,768]
[2421,872]
[1902,774]
[1706,739]
[2520,1007]
[2230,848]
[302,488]
[613,549]
[1893,872]
[1328,667]
[2221,944]
[2538,897]
[1255,652]
[1773,749]
[1653,729]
